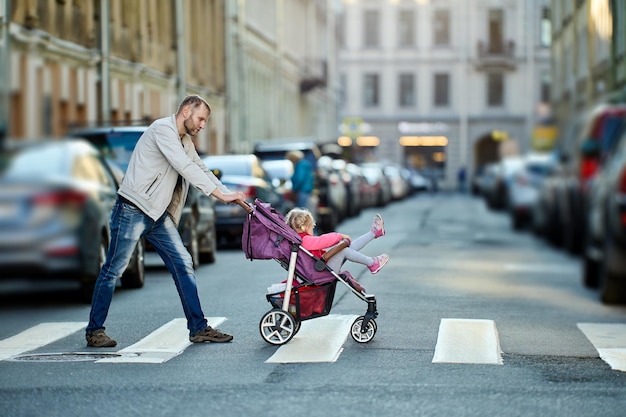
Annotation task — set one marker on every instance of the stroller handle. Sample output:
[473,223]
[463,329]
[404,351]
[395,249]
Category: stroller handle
[246,206]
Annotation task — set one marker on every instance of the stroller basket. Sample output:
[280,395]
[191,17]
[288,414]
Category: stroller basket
[307,301]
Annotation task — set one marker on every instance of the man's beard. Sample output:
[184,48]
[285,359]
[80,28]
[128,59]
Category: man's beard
[190,130]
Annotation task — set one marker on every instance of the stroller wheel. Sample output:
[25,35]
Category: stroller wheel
[277,327]
[366,335]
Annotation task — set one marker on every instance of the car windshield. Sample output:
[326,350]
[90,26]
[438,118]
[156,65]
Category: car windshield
[115,146]
[281,169]
[36,162]
[229,166]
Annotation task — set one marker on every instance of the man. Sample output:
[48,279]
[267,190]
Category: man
[150,202]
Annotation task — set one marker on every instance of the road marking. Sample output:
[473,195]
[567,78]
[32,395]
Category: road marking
[468,341]
[36,337]
[163,344]
[609,339]
[319,340]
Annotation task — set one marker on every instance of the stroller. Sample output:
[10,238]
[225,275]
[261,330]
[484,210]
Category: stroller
[309,290]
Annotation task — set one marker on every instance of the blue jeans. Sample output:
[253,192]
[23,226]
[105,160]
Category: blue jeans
[128,225]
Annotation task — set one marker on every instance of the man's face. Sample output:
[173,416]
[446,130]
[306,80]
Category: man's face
[196,120]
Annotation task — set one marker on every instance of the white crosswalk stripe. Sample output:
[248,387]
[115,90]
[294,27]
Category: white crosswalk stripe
[319,340]
[468,341]
[609,339]
[163,344]
[36,337]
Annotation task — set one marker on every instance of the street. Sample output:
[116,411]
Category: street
[474,320]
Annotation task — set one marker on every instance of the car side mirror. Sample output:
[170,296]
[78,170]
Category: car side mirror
[217,172]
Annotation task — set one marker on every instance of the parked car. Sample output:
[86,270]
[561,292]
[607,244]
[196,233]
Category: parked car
[498,180]
[336,200]
[376,177]
[604,254]
[56,198]
[241,173]
[368,194]
[280,172]
[523,190]
[325,214]
[353,183]
[197,222]
[399,185]
[571,184]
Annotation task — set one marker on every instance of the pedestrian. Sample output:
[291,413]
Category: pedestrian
[461,177]
[149,204]
[301,220]
[302,179]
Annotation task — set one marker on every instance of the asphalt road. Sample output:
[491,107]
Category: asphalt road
[453,262]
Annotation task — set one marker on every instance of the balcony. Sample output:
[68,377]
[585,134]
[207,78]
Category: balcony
[495,56]
[314,74]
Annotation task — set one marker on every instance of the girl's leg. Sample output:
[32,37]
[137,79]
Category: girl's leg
[351,255]
[360,242]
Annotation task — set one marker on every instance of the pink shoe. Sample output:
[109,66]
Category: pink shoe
[378,226]
[379,262]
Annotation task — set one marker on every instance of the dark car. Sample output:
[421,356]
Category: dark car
[56,198]
[241,173]
[569,186]
[197,222]
[604,254]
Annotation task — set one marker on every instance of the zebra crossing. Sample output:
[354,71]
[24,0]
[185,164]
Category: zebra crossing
[459,340]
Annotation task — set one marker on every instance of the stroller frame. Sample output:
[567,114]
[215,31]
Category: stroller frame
[279,325]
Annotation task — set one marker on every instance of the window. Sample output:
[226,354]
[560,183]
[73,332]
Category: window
[496,35]
[544,88]
[442,90]
[442,27]
[370,90]
[370,28]
[406,28]
[406,90]
[545,37]
[495,90]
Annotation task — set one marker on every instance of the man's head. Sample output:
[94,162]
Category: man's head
[193,112]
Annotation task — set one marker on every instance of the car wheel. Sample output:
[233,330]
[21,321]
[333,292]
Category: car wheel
[209,256]
[590,272]
[134,276]
[88,282]
[612,283]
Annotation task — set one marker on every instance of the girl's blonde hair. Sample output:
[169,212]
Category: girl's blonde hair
[299,219]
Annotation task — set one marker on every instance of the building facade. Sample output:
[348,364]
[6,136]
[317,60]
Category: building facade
[442,85]
[262,65]
[588,61]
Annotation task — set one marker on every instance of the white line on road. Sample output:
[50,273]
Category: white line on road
[609,339]
[468,341]
[163,344]
[319,340]
[36,337]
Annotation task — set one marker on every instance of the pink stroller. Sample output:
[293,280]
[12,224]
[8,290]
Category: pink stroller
[309,290]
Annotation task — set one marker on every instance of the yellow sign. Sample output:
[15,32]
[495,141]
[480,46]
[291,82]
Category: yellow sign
[544,138]
[352,127]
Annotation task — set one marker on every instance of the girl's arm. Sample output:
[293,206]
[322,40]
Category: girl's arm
[321,242]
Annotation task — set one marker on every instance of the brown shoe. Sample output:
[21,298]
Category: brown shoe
[210,335]
[100,339]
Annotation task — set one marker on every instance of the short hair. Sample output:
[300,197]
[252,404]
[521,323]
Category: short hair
[299,219]
[295,155]
[193,101]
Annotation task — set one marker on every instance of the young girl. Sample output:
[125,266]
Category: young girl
[301,220]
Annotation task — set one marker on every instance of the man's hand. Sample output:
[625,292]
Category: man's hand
[238,195]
